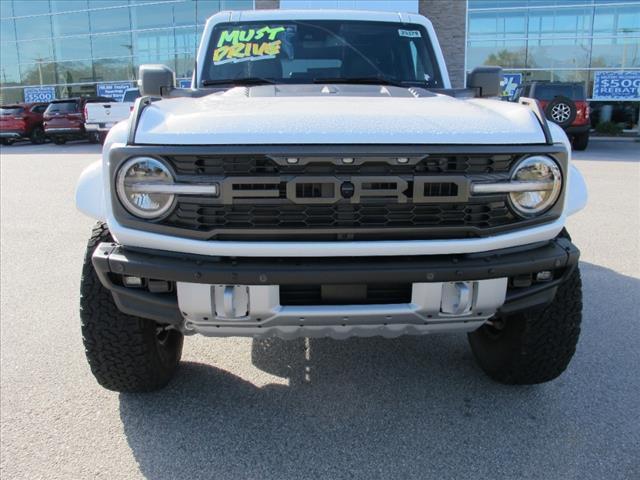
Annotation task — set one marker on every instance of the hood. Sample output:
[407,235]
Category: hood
[346,114]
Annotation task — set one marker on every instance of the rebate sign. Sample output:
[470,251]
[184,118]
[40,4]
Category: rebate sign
[618,86]
[39,94]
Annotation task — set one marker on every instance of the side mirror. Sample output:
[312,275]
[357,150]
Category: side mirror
[156,80]
[486,80]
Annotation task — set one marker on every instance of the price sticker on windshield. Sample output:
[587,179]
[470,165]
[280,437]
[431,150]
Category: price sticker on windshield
[410,33]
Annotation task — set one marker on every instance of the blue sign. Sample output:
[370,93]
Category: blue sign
[184,83]
[113,90]
[39,94]
[616,85]
[509,84]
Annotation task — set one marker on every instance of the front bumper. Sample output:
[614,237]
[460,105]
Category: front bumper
[577,129]
[222,296]
[12,134]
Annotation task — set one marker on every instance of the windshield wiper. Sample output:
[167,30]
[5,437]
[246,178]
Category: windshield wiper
[373,80]
[239,81]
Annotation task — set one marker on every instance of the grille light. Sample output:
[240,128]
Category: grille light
[149,202]
[532,171]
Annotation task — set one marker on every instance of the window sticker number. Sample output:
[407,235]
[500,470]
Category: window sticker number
[410,33]
[247,45]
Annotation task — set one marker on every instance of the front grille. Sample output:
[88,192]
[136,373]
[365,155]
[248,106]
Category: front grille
[264,210]
[338,192]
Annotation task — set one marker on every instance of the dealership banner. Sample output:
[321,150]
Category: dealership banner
[39,94]
[617,86]
[509,84]
[113,90]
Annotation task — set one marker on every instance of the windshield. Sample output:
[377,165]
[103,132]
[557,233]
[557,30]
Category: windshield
[62,107]
[550,91]
[321,50]
[11,111]
[131,95]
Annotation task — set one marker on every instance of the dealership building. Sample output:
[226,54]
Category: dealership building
[66,48]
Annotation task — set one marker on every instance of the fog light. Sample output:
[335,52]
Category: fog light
[544,276]
[132,282]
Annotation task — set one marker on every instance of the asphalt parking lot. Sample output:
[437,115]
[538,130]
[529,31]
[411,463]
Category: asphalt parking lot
[412,407]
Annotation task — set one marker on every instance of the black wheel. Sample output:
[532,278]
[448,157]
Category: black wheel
[125,353]
[59,140]
[37,136]
[6,141]
[94,137]
[561,110]
[581,141]
[532,347]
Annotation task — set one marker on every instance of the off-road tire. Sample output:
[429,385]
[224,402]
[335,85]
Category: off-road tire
[125,353]
[59,140]
[581,141]
[37,136]
[534,346]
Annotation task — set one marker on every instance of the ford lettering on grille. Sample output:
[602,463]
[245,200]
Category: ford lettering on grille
[327,190]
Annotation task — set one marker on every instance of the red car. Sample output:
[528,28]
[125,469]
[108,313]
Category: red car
[64,119]
[22,121]
[564,103]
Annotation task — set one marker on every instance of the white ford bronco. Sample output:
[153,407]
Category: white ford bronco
[322,178]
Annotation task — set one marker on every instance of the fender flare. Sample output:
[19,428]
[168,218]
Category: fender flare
[90,192]
[577,195]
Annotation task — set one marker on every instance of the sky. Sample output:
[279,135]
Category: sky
[392,5]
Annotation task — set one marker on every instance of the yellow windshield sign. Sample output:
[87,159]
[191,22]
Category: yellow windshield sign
[247,44]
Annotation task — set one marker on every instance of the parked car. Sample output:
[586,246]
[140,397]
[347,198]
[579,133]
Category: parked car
[323,179]
[564,103]
[101,116]
[64,119]
[22,121]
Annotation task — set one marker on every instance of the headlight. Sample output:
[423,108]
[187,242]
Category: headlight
[141,186]
[541,185]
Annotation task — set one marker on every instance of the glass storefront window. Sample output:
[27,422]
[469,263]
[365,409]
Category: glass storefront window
[110,69]
[184,14]
[9,72]
[558,52]
[184,65]
[68,5]
[72,23]
[505,53]
[29,28]
[36,51]
[186,40]
[38,73]
[75,72]
[164,59]
[116,45]
[152,16]
[73,48]
[6,9]
[7,32]
[615,52]
[110,20]
[30,7]
[155,42]
[617,20]
[206,8]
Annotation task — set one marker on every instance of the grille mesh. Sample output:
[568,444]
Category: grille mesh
[262,165]
[199,217]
